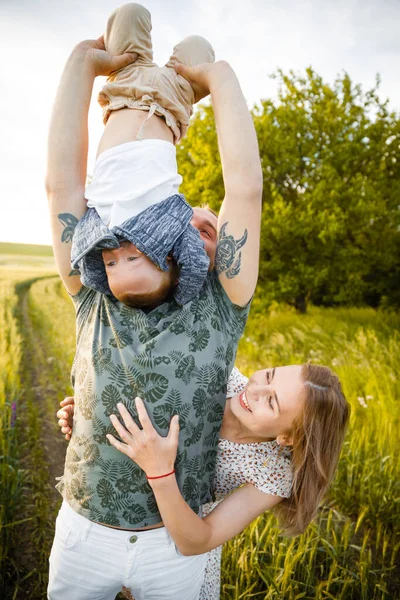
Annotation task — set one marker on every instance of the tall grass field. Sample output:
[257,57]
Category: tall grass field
[350,552]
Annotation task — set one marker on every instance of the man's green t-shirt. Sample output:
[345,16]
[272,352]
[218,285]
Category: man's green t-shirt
[178,360]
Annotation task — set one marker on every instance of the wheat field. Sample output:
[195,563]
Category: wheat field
[350,552]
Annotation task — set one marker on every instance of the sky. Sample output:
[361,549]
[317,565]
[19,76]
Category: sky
[254,36]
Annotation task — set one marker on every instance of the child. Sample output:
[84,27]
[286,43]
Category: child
[136,242]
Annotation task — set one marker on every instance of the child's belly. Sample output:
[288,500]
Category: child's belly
[123,126]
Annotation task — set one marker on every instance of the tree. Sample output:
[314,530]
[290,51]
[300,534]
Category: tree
[199,162]
[331,164]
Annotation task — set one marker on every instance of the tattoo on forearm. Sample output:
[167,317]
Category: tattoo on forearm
[74,272]
[69,223]
[228,259]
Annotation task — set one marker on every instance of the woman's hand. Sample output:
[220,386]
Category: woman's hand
[101,61]
[65,416]
[153,453]
[200,77]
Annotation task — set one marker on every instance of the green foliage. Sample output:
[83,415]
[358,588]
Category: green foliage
[331,160]
[198,160]
[331,166]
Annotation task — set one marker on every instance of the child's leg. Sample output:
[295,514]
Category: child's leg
[129,30]
[193,50]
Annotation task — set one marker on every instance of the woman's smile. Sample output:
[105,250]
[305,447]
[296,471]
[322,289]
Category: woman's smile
[243,401]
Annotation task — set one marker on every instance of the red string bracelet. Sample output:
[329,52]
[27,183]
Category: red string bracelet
[161,476]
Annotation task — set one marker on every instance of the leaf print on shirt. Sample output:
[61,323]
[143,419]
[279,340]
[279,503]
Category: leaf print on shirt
[91,454]
[72,460]
[148,334]
[133,318]
[101,359]
[135,514]
[181,459]
[81,370]
[96,515]
[204,309]
[172,406]
[209,459]
[110,519]
[107,310]
[186,369]
[225,355]
[204,491]
[127,486]
[210,439]
[162,360]
[193,465]
[177,356]
[215,413]
[110,397]
[180,322]
[200,340]
[193,433]
[109,469]
[102,430]
[216,322]
[219,353]
[130,469]
[125,379]
[230,353]
[121,339]
[79,488]
[189,489]
[86,402]
[151,386]
[152,504]
[131,478]
[106,493]
[144,359]
[199,402]
[211,376]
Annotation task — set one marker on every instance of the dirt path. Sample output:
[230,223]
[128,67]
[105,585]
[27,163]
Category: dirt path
[42,455]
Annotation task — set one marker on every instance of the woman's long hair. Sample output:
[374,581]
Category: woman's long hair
[318,436]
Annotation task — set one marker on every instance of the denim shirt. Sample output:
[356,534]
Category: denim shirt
[158,231]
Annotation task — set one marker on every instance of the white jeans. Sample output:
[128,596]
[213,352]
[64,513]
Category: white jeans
[92,562]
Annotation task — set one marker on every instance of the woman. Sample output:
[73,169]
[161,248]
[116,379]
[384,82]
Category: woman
[280,441]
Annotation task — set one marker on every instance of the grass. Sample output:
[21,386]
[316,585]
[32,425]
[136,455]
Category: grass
[27,250]
[19,261]
[349,553]
[11,475]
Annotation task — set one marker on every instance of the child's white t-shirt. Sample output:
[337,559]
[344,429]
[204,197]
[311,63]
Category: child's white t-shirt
[131,177]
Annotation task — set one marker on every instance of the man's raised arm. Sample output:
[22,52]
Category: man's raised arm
[68,147]
[239,219]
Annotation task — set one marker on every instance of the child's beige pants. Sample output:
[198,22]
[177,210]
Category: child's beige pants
[143,84]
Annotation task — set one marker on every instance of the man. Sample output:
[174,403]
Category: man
[109,534]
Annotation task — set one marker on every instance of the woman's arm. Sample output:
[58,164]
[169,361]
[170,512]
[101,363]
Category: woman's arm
[194,535]
[156,456]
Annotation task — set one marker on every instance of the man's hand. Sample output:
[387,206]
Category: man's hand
[101,61]
[200,76]
[65,416]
